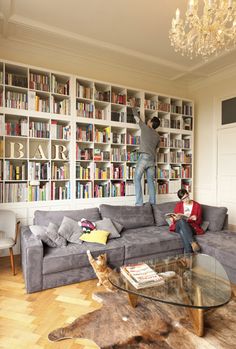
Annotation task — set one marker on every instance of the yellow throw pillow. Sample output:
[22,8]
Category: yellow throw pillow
[98,236]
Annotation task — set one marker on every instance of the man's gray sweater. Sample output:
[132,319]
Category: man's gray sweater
[149,140]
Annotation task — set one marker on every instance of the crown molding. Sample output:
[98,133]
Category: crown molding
[223,73]
[39,26]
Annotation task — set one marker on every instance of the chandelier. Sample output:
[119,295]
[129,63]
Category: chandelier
[207,34]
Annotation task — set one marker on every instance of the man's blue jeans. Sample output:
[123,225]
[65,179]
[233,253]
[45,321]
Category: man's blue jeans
[145,164]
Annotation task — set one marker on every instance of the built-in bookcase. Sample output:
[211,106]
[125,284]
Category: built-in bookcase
[64,137]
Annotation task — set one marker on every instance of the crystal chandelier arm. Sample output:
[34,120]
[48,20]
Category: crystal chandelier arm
[208,34]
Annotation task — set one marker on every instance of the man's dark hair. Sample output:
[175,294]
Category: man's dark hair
[181,193]
[155,122]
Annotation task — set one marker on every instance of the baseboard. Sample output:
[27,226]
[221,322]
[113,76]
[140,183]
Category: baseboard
[232,227]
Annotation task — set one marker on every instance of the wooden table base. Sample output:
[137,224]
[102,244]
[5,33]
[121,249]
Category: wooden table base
[196,315]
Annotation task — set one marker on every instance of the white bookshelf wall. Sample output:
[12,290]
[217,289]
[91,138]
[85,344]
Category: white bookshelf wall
[69,142]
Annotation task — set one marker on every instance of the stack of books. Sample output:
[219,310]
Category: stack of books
[140,275]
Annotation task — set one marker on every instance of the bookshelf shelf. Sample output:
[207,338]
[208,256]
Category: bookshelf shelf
[76,138]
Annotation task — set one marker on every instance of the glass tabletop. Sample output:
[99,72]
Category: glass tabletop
[196,281]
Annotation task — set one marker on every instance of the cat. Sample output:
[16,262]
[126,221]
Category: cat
[101,270]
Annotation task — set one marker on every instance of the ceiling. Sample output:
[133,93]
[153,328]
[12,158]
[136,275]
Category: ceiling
[132,33]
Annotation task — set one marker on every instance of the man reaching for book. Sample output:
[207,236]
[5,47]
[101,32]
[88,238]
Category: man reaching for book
[187,228]
[149,142]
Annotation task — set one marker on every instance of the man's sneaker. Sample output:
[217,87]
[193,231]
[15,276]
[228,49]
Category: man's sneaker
[195,246]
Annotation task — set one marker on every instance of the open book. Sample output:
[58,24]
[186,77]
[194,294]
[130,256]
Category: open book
[175,216]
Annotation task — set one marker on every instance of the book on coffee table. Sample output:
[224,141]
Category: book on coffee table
[140,275]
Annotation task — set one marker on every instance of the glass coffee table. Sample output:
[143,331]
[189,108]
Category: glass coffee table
[199,283]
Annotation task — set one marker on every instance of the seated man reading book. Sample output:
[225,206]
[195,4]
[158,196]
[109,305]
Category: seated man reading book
[186,221]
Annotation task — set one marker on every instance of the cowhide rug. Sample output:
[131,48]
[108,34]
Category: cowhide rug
[151,325]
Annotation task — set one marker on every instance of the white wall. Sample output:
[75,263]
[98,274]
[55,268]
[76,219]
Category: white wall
[208,97]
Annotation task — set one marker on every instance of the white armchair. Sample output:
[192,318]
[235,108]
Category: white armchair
[9,230]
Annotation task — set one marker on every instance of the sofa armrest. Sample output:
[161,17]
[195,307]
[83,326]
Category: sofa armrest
[31,260]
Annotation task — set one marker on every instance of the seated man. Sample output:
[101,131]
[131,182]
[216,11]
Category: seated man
[187,228]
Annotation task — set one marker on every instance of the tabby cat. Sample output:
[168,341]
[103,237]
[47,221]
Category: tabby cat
[101,270]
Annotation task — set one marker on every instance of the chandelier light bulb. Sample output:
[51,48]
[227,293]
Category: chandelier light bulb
[204,34]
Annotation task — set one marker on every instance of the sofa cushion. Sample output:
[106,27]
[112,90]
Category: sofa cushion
[151,240]
[220,245]
[129,216]
[74,256]
[45,217]
[215,216]
[107,224]
[159,211]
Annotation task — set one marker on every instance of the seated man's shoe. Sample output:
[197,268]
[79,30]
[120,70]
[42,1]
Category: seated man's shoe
[195,246]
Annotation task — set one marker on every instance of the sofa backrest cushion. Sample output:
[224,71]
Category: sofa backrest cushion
[215,216]
[46,217]
[129,216]
[159,211]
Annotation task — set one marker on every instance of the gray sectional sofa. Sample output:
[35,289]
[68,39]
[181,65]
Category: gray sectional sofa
[145,235]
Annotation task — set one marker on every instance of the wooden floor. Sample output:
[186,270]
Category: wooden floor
[26,319]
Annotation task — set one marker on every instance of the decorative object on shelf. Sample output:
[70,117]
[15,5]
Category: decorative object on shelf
[205,35]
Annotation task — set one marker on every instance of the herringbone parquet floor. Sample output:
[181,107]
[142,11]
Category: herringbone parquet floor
[26,319]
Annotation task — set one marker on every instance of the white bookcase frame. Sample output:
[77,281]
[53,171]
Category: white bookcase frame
[150,104]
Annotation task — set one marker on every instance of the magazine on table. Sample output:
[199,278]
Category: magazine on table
[140,275]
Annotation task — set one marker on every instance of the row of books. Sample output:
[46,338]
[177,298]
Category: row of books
[83,190]
[61,107]
[102,95]
[84,91]
[62,88]
[101,190]
[39,82]
[85,133]
[15,171]
[39,170]
[118,116]
[102,136]
[118,98]
[83,172]
[39,129]
[16,127]
[17,100]
[15,80]
[39,192]
[84,110]
[59,131]
[60,171]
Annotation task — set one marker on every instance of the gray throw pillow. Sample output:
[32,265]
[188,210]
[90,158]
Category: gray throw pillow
[119,227]
[215,216]
[52,232]
[40,232]
[70,230]
[107,224]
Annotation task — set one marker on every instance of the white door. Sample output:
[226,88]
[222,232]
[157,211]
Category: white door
[226,171]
